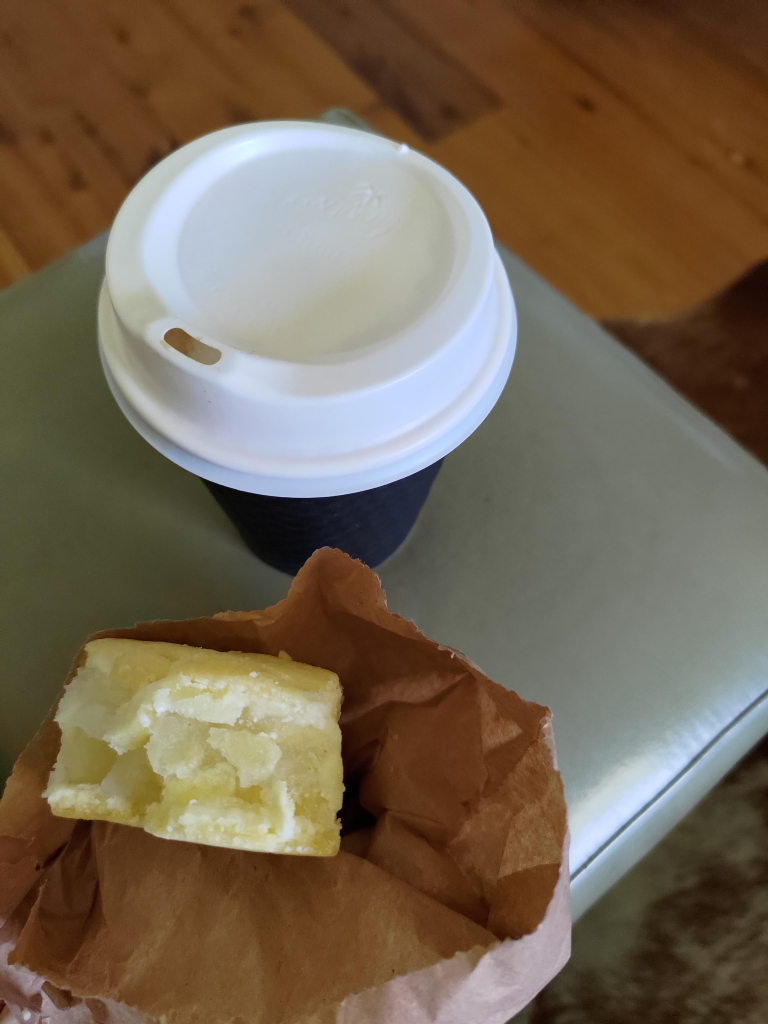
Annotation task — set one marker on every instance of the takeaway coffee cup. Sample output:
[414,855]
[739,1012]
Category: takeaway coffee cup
[309,318]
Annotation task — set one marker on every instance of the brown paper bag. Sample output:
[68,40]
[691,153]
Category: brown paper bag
[448,902]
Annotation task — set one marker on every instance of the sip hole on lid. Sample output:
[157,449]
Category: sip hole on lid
[191,347]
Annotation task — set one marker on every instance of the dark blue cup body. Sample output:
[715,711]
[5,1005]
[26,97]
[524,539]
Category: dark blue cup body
[369,525]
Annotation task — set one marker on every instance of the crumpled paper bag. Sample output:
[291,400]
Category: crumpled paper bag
[448,902]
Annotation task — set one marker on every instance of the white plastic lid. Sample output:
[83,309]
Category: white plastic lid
[300,309]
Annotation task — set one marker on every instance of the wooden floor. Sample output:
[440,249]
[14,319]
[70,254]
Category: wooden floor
[619,146]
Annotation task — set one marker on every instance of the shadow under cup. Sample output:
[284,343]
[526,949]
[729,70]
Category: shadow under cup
[368,525]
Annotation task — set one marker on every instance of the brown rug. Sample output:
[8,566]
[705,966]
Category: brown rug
[683,938]
[717,356]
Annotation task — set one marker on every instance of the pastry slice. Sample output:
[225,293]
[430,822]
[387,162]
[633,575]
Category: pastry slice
[227,749]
